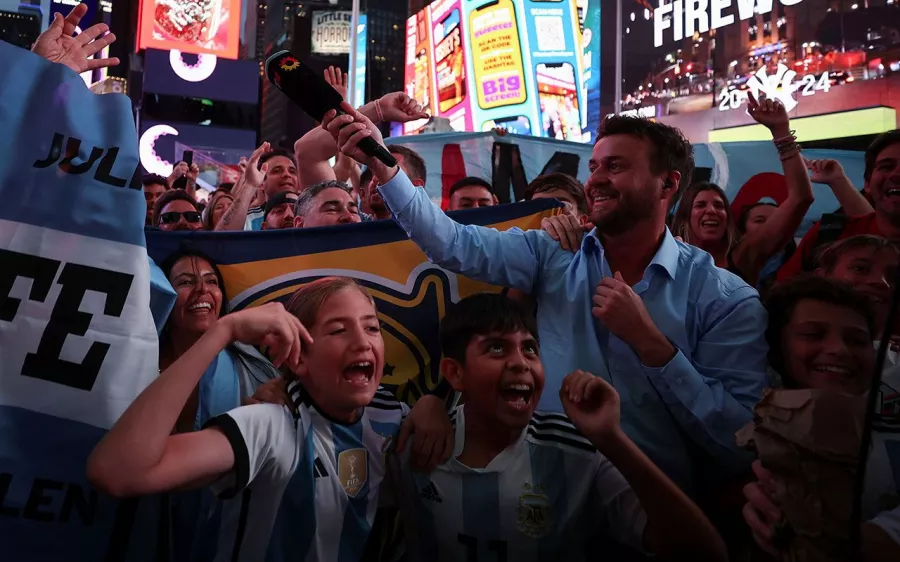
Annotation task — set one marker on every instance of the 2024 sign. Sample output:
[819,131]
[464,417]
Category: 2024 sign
[808,86]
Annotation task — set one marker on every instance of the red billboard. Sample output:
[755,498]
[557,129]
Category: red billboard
[191,26]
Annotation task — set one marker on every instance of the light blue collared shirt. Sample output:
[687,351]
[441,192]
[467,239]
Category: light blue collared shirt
[715,321]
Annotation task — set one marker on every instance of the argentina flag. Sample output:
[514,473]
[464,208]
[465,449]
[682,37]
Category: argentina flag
[77,337]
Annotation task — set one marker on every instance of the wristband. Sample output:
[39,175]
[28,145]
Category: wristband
[378,111]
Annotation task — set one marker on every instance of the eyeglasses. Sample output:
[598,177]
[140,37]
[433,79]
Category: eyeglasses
[173,217]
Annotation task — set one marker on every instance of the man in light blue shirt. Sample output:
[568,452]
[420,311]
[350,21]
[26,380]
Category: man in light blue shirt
[681,340]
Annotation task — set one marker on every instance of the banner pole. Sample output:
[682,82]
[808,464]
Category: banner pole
[618,101]
[351,66]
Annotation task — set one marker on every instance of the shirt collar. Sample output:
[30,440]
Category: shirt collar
[666,256]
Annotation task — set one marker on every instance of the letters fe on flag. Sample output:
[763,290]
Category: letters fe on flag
[411,293]
[77,340]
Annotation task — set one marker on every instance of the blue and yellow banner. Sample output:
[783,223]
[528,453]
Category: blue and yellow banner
[411,293]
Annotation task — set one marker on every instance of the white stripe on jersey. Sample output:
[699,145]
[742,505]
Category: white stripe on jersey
[306,486]
[542,498]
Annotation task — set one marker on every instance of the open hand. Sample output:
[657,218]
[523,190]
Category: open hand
[271,326]
[400,108]
[337,80]
[253,175]
[769,113]
[565,229]
[431,432]
[825,171]
[58,45]
[592,405]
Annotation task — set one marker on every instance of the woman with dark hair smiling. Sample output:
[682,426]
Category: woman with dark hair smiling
[704,218]
[237,374]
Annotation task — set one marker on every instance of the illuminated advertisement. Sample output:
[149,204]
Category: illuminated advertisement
[201,76]
[360,62]
[330,32]
[419,79]
[159,142]
[526,66]
[450,63]
[191,26]
[695,65]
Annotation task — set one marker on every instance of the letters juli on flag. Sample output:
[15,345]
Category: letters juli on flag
[77,339]
[411,293]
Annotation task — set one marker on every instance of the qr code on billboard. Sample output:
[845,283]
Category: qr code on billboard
[550,33]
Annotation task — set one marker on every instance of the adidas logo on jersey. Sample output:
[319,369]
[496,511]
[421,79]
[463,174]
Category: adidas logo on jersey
[319,468]
[430,493]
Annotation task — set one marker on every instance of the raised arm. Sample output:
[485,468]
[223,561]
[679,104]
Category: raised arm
[485,254]
[314,149]
[757,247]
[140,456]
[244,193]
[676,529]
[831,173]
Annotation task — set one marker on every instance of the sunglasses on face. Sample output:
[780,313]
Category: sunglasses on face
[172,217]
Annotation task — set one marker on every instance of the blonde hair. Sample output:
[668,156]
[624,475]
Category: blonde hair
[308,299]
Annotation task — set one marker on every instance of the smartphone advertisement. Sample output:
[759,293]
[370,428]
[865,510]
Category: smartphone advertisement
[418,73]
[210,27]
[450,63]
[527,66]
[556,52]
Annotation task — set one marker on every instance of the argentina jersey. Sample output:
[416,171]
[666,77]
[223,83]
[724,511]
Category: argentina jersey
[304,487]
[540,499]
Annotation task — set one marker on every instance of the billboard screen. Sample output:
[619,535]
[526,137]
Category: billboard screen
[694,68]
[191,26]
[528,66]
[201,76]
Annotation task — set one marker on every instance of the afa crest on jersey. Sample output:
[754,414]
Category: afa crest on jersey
[535,515]
[411,294]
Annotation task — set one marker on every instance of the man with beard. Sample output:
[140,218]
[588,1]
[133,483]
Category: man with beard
[682,341]
[280,211]
[882,185]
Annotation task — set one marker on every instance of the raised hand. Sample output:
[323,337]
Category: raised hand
[825,171]
[193,173]
[337,79]
[770,114]
[253,175]
[57,44]
[591,404]
[271,326]
[180,170]
[400,108]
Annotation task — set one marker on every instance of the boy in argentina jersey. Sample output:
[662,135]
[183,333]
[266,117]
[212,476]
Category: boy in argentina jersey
[526,486]
[303,478]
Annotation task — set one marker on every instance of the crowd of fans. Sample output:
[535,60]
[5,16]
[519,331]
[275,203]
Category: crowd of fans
[642,329]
